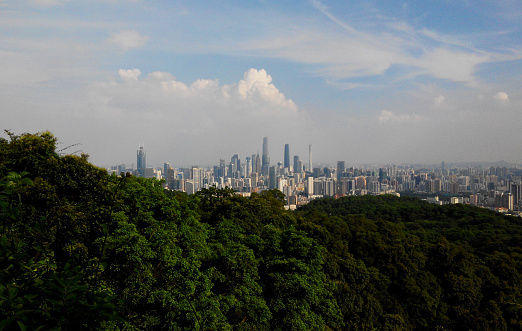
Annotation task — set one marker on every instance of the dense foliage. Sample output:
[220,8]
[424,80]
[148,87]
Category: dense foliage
[83,249]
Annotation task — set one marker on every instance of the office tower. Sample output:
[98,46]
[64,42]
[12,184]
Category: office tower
[166,167]
[360,183]
[258,164]
[272,178]
[310,186]
[248,166]
[266,157]
[287,156]
[254,165]
[222,167]
[340,169]
[310,157]
[516,190]
[296,164]
[234,162]
[437,185]
[121,169]
[141,160]
[170,176]
[197,175]
[507,201]
[382,175]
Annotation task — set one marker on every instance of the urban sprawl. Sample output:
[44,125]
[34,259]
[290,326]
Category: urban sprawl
[497,188]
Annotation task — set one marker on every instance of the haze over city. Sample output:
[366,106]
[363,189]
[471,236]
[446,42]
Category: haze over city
[200,81]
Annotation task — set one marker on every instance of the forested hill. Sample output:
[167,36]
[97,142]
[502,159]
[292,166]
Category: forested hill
[82,249]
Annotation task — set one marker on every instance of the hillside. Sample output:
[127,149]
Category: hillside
[85,250]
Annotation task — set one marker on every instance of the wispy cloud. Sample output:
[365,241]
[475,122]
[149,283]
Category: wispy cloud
[387,116]
[355,53]
[502,96]
[128,39]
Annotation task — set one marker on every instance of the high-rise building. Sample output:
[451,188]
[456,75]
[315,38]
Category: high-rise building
[222,168]
[297,169]
[235,164]
[258,164]
[248,166]
[272,178]
[254,165]
[287,156]
[197,175]
[166,167]
[266,157]
[141,160]
[340,169]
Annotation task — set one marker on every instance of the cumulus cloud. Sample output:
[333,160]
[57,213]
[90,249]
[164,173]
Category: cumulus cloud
[214,117]
[257,86]
[129,75]
[128,39]
[502,96]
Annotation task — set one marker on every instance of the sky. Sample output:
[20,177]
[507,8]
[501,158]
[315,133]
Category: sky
[366,82]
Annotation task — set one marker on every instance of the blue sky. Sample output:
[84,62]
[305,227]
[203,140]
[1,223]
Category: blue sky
[195,81]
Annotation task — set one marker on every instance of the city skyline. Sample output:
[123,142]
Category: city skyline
[370,82]
[305,161]
[496,187]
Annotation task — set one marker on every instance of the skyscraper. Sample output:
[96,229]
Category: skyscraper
[340,169]
[141,160]
[287,156]
[266,157]
[297,168]
[272,178]
[258,163]
[248,166]
[166,167]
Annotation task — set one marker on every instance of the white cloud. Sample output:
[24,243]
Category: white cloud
[502,96]
[257,86]
[217,119]
[128,39]
[387,116]
[346,51]
[439,100]
[129,75]
[453,65]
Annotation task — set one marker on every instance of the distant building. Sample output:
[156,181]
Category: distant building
[266,157]
[341,167]
[272,178]
[141,160]
[287,157]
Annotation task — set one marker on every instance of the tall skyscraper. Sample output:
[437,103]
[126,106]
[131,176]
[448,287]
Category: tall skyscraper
[297,169]
[222,168]
[272,178]
[166,167]
[248,166]
[340,169]
[258,164]
[234,162]
[141,160]
[287,156]
[310,158]
[266,157]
